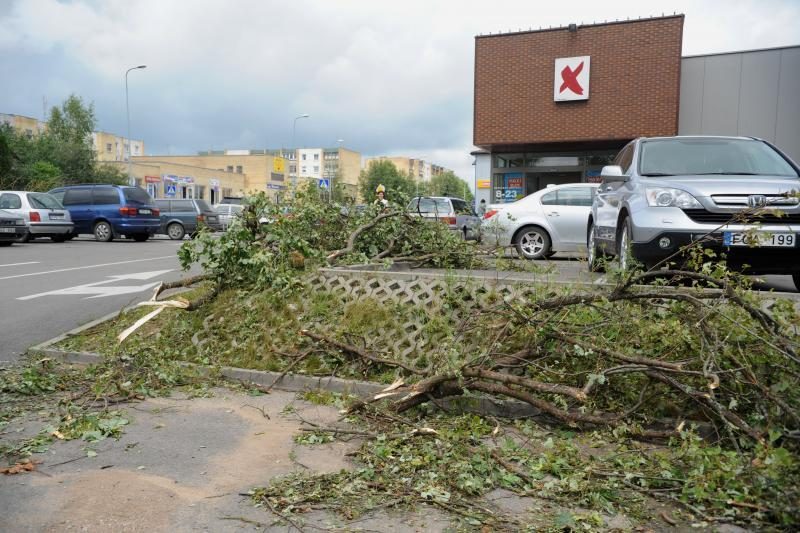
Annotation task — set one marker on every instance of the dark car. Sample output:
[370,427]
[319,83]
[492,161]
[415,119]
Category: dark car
[12,228]
[110,211]
[179,217]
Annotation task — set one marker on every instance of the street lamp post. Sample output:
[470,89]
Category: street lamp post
[294,147]
[128,113]
[338,166]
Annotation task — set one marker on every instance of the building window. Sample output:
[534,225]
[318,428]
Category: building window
[316,157]
[229,168]
[304,157]
[316,170]
[108,147]
[238,169]
[303,170]
[292,169]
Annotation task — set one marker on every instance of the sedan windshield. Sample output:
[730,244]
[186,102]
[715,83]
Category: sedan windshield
[698,156]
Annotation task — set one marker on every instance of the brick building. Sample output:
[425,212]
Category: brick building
[554,106]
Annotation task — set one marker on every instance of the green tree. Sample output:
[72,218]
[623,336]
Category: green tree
[399,187]
[109,174]
[63,155]
[69,134]
[448,184]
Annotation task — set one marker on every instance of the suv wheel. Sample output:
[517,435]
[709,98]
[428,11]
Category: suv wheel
[176,231]
[140,237]
[102,232]
[624,256]
[594,254]
[533,243]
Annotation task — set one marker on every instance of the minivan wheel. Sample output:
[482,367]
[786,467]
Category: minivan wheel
[595,256]
[102,231]
[176,231]
[140,237]
[533,243]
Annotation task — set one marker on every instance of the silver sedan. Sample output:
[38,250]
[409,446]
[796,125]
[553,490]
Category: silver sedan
[546,222]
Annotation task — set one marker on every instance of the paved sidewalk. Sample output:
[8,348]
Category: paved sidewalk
[182,465]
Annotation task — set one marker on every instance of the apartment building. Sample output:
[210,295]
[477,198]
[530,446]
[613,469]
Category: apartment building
[28,125]
[109,147]
[323,164]
[418,169]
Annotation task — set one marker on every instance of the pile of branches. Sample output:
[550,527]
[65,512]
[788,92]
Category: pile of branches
[270,244]
[650,358]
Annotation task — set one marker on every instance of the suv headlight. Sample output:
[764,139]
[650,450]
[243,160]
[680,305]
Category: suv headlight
[666,197]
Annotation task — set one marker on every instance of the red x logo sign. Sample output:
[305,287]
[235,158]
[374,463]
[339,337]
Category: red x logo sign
[569,79]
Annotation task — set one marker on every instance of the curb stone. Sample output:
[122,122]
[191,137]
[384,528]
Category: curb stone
[299,383]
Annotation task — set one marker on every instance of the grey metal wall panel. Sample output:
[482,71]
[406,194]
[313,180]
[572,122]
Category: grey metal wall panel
[721,94]
[787,129]
[754,93]
[690,112]
[758,100]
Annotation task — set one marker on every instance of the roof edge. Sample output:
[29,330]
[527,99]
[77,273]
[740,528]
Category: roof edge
[592,25]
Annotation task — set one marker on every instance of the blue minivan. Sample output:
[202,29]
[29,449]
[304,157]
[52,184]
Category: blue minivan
[109,211]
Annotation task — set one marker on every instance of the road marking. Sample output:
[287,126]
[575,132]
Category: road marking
[87,266]
[19,264]
[96,290]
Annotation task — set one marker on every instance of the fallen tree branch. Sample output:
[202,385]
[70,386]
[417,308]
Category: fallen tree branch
[351,241]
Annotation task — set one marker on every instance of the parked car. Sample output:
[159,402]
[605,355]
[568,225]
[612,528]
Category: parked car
[543,223]
[179,217]
[110,211]
[455,212]
[226,213]
[661,194]
[44,216]
[12,228]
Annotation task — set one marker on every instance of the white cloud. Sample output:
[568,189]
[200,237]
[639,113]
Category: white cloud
[384,75]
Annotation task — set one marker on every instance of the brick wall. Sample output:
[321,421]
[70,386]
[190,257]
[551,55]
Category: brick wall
[634,85]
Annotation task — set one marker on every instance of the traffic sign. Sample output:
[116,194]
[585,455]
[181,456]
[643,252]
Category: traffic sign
[324,183]
[171,190]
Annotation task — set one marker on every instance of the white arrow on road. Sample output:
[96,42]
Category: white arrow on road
[100,289]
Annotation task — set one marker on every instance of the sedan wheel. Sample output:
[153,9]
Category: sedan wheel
[102,232]
[176,231]
[533,243]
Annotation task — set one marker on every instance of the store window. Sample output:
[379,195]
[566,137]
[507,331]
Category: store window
[509,160]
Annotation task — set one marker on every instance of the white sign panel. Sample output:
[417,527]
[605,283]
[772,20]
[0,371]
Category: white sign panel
[571,80]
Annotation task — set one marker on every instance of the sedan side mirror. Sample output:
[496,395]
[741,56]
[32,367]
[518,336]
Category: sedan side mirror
[613,173]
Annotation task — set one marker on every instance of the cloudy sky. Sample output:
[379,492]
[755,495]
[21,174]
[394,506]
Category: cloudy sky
[388,77]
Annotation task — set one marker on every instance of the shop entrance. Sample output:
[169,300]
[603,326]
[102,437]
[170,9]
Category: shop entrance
[537,181]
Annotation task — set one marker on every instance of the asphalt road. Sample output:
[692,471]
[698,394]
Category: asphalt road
[49,288]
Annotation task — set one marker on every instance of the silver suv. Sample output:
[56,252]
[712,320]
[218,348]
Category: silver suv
[663,193]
